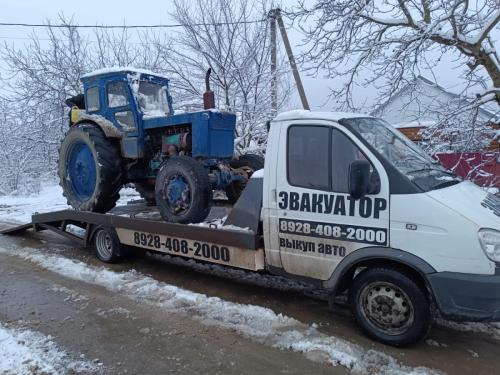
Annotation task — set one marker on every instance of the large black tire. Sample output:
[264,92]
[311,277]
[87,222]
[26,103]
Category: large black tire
[105,162]
[183,191]
[249,163]
[147,192]
[390,307]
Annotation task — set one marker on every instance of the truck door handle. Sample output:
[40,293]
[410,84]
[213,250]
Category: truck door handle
[273,192]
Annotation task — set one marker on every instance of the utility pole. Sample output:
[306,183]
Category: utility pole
[274,85]
[275,15]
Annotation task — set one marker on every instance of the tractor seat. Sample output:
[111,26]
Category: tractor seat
[76,101]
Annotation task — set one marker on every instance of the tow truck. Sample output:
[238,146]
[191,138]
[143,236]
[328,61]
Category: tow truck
[347,203]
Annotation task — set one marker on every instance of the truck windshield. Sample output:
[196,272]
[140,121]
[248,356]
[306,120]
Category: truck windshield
[153,100]
[408,158]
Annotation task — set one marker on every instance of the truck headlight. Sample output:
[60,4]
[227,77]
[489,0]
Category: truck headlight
[490,242]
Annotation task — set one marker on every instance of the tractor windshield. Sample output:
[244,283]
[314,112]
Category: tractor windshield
[153,99]
[408,158]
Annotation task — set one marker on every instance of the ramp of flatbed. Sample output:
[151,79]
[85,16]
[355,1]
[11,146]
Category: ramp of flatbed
[136,217]
[241,231]
[242,239]
[16,229]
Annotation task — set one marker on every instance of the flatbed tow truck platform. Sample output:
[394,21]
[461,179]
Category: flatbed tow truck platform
[235,243]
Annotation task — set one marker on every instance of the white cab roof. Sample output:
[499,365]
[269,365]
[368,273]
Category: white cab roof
[301,114]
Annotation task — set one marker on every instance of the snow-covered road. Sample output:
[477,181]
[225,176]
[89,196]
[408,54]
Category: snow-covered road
[18,209]
[256,322]
[27,352]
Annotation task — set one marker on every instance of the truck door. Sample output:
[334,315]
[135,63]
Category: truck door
[318,222]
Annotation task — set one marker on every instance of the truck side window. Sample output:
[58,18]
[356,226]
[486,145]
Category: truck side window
[308,157]
[92,95]
[344,152]
[117,94]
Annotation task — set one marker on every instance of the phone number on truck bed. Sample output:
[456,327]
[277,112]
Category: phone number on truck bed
[178,246]
[250,259]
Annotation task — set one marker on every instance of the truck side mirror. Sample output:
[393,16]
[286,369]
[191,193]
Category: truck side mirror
[359,178]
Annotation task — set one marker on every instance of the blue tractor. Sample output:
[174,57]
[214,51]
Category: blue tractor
[123,130]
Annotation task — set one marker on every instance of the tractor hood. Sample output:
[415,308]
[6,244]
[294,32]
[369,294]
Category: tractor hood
[200,118]
[471,202]
[211,131]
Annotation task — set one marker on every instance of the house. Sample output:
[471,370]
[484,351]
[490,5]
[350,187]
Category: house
[422,104]
[473,153]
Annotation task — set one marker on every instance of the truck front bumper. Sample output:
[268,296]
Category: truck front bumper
[466,297]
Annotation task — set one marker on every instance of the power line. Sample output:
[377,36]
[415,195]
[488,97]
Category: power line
[64,40]
[158,26]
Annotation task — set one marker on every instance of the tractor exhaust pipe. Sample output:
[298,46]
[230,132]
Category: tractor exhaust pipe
[208,95]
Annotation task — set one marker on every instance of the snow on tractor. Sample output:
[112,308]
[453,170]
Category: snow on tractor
[123,130]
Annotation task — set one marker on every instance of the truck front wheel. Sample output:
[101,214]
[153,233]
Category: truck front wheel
[390,307]
[183,191]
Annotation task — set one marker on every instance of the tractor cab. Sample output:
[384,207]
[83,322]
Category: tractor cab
[135,106]
[126,97]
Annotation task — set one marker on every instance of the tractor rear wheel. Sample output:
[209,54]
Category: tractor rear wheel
[90,169]
[183,191]
[245,166]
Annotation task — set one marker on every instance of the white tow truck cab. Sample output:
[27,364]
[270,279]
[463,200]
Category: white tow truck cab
[349,204]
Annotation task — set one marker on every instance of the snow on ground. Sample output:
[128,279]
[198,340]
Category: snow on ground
[255,322]
[19,208]
[218,223]
[25,352]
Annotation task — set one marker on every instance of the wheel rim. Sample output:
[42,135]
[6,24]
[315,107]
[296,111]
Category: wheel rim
[387,308]
[177,194]
[81,171]
[104,244]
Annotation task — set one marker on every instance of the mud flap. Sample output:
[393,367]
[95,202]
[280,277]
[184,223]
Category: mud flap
[246,211]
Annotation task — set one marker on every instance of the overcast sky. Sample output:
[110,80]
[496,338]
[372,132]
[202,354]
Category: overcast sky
[157,12]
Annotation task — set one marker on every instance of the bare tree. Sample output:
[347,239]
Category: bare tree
[27,152]
[39,77]
[391,39]
[387,44]
[41,74]
[223,36]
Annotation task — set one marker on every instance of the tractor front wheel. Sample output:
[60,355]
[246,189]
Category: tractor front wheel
[90,169]
[183,191]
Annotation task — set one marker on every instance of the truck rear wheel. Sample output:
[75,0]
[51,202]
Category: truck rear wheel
[183,191]
[390,307]
[107,245]
[247,164]
[90,169]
